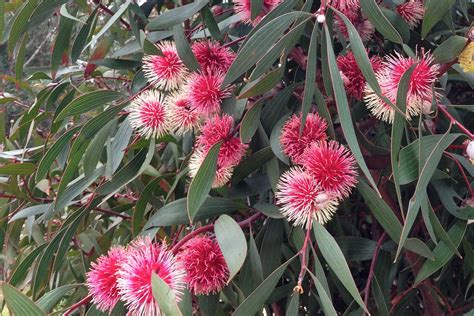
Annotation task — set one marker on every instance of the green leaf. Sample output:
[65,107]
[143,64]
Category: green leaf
[164,296]
[184,48]
[385,216]
[211,23]
[18,303]
[310,79]
[336,261]
[53,152]
[259,43]
[2,18]
[30,211]
[265,84]
[294,304]
[13,169]
[344,112]
[232,242]
[442,253]
[83,35]
[270,248]
[449,49]
[255,8]
[371,9]
[121,10]
[175,213]
[61,43]
[202,182]
[250,122]
[19,24]
[398,128]
[441,233]
[175,16]
[251,164]
[23,268]
[434,12]
[425,176]
[326,302]
[269,210]
[20,58]
[275,139]
[118,146]
[64,12]
[87,102]
[50,299]
[254,302]
[93,153]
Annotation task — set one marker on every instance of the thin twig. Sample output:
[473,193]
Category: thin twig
[84,301]
[372,268]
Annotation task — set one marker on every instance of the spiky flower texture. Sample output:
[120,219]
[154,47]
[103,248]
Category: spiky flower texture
[412,12]
[294,144]
[205,92]
[420,90]
[206,269]
[166,70]
[134,277]
[354,80]
[332,166]
[148,114]
[102,279]
[183,117]
[301,199]
[212,56]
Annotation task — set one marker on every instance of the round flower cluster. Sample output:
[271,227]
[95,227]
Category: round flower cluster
[125,273]
[326,173]
[183,101]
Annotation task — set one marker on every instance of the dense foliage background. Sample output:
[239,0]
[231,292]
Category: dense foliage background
[75,179]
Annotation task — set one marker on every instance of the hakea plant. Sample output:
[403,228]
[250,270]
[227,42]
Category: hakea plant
[177,158]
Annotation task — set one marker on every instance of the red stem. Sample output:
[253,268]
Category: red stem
[84,301]
[303,259]
[468,183]
[444,110]
[210,227]
[372,268]
[238,40]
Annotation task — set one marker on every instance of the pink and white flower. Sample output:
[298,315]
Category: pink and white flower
[212,56]
[205,92]
[148,114]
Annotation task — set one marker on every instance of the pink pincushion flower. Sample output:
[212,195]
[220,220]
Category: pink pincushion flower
[220,128]
[332,166]
[302,199]
[205,92]
[354,80]
[292,143]
[222,176]
[206,269]
[148,114]
[360,22]
[165,71]
[212,56]
[420,91]
[183,117]
[244,9]
[134,277]
[102,279]
[412,12]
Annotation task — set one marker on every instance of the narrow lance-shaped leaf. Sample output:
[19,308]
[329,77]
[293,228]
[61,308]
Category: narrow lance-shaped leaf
[326,301]
[398,128]
[425,176]
[336,261]
[344,112]
[202,182]
[371,9]
[310,79]
[164,296]
[434,12]
[19,303]
[184,49]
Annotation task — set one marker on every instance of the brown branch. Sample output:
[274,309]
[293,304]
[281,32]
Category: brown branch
[372,268]
[444,110]
[84,301]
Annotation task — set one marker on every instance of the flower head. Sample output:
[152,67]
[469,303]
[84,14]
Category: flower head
[206,269]
[166,71]
[182,116]
[102,279]
[134,277]
[212,56]
[220,128]
[412,12]
[148,114]
[222,176]
[466,58]
[205,92]
[420,91]
[354,80]
[301,198]
[292,143]
[332,166]
[244,9]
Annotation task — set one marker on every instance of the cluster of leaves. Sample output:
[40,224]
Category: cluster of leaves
[71,190]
